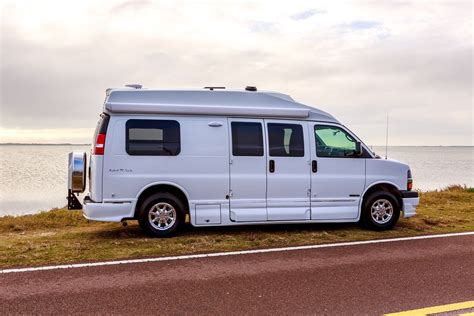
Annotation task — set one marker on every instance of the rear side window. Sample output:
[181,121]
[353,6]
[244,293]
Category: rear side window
[153,138]
[285,140]
[247,139]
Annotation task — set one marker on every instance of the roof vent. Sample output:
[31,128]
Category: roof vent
[212,88]
[135,86]
[250,88]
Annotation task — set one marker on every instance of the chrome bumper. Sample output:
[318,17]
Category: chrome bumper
[107,212]
[409,206]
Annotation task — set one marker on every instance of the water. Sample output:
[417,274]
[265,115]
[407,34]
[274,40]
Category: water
[435,167]
[34,177]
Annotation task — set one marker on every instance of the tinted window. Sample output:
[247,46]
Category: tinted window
[332,141]
[247,139]
[285,140]
[153,138]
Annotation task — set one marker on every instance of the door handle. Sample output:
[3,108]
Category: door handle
[314,166]
[272,166]
[215,124]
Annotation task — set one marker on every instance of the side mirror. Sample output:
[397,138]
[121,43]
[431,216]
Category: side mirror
[358,151]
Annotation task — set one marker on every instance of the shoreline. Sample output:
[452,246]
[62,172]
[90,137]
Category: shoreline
[60,236]
[86,144]
[463,186]
[42,144]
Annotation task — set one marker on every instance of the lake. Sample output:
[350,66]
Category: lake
[34,177]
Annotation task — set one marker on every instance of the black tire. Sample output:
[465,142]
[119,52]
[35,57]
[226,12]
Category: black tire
[367,218]
[150,203]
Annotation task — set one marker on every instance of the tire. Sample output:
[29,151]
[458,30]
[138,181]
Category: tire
[381,211]
[161,215]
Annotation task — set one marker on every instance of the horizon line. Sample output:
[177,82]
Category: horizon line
[90,144]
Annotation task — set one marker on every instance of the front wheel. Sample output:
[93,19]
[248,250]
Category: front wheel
[381,211]
[161,214]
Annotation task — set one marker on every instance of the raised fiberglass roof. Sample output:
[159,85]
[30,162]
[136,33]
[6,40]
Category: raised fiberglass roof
[205,102]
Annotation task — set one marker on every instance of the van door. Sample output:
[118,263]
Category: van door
[248,165]
[288,170]
[338,175]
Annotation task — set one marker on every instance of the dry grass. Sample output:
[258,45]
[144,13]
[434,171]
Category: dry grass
[61,236]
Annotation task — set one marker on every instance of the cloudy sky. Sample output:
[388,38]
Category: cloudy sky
[360,61]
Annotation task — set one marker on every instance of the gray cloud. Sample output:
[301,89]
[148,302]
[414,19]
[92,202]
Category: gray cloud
[131,4]
[262,26]
[362,25]
[303,15]
[421,78]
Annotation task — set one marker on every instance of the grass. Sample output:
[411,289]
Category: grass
[61,236]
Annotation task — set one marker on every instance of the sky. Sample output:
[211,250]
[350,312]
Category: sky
[361,61]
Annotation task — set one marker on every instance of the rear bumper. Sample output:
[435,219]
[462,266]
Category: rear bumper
[410,202]
[107,212]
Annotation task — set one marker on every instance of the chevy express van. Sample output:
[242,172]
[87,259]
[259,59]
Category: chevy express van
[231,157]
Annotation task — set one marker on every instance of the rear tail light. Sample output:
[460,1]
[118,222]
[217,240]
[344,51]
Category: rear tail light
[99,144]
[409,180]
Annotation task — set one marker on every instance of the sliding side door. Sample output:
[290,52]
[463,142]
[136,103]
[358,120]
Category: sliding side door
[248,175]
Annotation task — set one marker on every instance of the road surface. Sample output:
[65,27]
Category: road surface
[362,279]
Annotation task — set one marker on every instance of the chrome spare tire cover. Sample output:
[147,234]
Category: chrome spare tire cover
[77,171]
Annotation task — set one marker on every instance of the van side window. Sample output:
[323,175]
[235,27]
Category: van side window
[152,138]
[332,141]
[285,140]
[247,139]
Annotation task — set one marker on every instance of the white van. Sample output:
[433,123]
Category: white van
[232,157]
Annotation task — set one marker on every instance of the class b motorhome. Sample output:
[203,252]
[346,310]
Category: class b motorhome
[231,157]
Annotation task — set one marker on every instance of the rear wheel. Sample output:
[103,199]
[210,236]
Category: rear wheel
[381,211]
[161,214]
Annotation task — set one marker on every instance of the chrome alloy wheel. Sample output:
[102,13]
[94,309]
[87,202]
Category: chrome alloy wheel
[381,211]
[162,216]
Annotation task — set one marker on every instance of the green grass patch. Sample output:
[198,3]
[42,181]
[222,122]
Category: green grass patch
[61,236]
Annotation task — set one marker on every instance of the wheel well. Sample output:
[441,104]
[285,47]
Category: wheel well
[384,187]
[162,188]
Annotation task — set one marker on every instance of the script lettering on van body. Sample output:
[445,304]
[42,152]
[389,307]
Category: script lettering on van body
[120,170]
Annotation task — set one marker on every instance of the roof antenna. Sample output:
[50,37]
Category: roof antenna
[212,88]
[386,140]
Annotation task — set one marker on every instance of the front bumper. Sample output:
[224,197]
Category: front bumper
[410,202]
[107,212]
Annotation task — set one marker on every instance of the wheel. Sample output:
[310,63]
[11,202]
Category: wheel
[161,214]
[381,211]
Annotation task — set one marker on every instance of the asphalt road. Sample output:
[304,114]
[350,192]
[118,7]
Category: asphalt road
[363,279]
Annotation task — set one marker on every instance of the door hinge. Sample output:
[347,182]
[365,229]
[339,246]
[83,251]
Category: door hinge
[228,196]
[231,161]
[308,193]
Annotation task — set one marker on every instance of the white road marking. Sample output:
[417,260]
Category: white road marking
[230,253]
